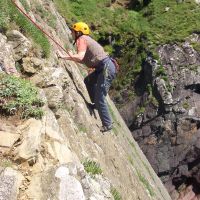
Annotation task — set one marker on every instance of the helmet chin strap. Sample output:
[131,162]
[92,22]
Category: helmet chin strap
[77,35]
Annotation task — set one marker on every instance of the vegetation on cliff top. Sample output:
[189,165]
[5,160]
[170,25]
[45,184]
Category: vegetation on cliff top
[163,21]
[135,32]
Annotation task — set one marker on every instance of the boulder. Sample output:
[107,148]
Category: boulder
[10,180]
[6,56]
[32,132]
[54,96]
[21,45]
[61,185]
[52,77]
[32,65]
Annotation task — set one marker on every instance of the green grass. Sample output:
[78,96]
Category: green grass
[146,183]
[130,159]
[186,105]
[9,14]
[116,195]
[160,71]
[196,46]
[48,17]
[19,97]
[140,110]
[4,14]
[106,19]
[82,128]
[92,167]
[6,163]
[25,5]
[174,25]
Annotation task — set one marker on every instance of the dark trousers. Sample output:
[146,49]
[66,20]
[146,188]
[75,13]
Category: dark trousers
[98,84]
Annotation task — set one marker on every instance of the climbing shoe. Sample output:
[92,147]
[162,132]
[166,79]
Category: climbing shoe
[106,128]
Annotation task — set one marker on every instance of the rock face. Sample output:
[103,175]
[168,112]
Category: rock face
[10,180]
[21,45]
[167,128]
[58,156]
[7,62]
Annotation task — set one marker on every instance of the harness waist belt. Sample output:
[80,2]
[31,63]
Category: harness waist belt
[101,64]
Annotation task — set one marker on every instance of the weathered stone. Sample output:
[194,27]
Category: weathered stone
[166,95]
[54,96]
[35,188]
[96,188]
[52,77]
[20,44]
[61,185]
[28,66]
[8,139]
[32,131]
[70,187]
[32,65]
[52,129]
[6,57]
[10,180]
[72,169]
[63,154]
[58,147]
[97,197]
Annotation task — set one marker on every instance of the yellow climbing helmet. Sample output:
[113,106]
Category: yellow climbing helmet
[82,27]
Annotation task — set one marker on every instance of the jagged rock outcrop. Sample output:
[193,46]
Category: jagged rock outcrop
[21,45]
[167,128]
[7,61]
[47,156]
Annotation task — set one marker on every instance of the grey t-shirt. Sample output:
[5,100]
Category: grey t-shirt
[94,53]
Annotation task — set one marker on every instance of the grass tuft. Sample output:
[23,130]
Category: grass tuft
[116,195]
[92,167]
[25,5]
[146,183]
[6,163]
[19,96]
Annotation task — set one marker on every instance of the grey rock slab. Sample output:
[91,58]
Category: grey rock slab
[10,180]
[70,187]
[54,96]
[21,45]
[32,131]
